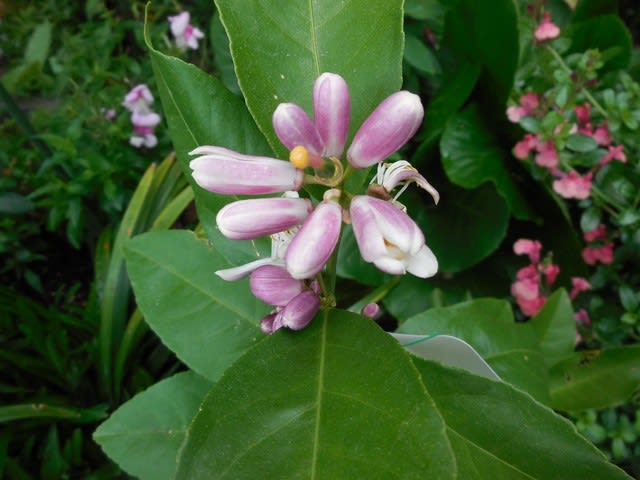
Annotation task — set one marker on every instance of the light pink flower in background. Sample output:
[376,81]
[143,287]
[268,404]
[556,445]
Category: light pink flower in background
[138,98]
[614,153]
[547,155]
[525,246]
[143,119]
[550,273]
[572,185]
[582,318]
[525,146]
[602,254]
[528,103]
[602,135]
[185,34]
[598,233]
[546,30]
[579,285]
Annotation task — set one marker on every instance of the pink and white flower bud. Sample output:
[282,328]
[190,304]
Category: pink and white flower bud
[249,219]
[331,108]
[294,128]
[266,324]
[139,96]
[186,35]
[390,239]
[145,119]
[371,310]
[314,243]
[386,130]
[274,285]
[227,172]
[299,311]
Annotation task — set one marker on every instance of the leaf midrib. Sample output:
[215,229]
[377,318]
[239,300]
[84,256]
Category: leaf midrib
[187,281]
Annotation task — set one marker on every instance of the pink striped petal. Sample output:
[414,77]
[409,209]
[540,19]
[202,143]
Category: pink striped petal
[227,172]
[314,243]
[249,219]
[386,130]
[294,128]
[331,105]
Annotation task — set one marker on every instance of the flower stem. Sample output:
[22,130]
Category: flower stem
[586,92]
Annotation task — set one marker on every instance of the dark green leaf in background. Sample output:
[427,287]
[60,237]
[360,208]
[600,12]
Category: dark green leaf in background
[205,320]
[279,51]
[608,34]
[596,378]
[471,156]
[465,227]
[143,436]
[498,432]
[340,399]
[488,326]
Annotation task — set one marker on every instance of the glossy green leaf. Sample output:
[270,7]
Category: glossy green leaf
[596,378]
[466,226]
[12,203]
[419,56]
[489,37]
[471,156]
[488,326]
[201,111]
[498,432]
[453,93]
[340,399]
[581,143]
[555,327]
[586,9]
[144,434]
[281,51]
[205,320]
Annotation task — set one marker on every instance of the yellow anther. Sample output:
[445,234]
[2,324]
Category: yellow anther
[299,157]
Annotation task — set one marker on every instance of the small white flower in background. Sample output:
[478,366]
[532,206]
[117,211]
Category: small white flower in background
[186,35]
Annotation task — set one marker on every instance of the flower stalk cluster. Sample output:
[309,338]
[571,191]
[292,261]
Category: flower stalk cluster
[305,233]
[144,120]
[184,34]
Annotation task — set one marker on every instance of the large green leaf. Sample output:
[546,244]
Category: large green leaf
[596,379]
[555,327]
[486,36]
[500,433]
[143,436]
[201,111]
[206,321]
[340,399]
[452,94]
[488,326]
[471,156]
[279,49]
[466,226]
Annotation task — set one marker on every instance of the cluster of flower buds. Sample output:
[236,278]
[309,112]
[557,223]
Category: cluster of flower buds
[534,281]
[185,34]
[144,120]
[304,235]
